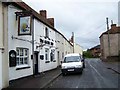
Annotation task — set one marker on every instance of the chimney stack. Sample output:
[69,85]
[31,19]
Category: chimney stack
[43,13]
[113,26]
[51,21]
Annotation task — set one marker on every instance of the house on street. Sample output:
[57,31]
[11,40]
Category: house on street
[110,44]
[95,51]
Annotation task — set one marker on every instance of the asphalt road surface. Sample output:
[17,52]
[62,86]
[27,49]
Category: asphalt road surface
[95,75]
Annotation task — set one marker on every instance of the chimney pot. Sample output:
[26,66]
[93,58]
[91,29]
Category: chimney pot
[43,13]
[113,26]
[51,21]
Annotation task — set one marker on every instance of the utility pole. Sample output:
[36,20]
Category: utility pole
[73,40]
[108,35]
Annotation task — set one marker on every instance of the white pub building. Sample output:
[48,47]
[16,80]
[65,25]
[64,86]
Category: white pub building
[29,43]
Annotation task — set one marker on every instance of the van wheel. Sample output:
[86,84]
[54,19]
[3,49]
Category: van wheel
[63,74]
[83,65]
[81,72]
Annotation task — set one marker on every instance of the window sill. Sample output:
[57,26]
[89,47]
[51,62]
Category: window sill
[47,61]
[54,60]
[19,68]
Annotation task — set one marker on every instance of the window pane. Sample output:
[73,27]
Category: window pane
[45,56]
[72,59]
[21,52]
[21,60]
[25,60]
[46,32]
[26,53]
[22,56]
[17,52]
[17,61]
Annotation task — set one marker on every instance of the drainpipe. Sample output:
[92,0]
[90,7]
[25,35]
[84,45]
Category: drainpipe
[32,29]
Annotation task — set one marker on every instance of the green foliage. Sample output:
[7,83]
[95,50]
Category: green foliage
[87,54]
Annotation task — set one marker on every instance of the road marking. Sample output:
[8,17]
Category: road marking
[96,71]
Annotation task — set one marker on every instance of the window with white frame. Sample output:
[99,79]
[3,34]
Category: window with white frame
[62,55]
[22,56]
[52,55]
[46,32]
[46,54]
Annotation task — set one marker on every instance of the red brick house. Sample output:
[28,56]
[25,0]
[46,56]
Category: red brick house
[95,51]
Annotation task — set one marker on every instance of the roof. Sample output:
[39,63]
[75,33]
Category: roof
[24,6]
[95,47]
[111,31]
[72,54]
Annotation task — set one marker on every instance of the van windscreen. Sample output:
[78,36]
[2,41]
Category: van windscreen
[72,59]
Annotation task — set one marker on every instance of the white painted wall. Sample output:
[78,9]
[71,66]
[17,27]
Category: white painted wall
[4,80]
[1,44]
[105,40]
[0,69]
[67,47]
[60,48]
[113,45]
[1,26]
[40,31]
[102,47]
[13,43]
[119,13]
[78,49]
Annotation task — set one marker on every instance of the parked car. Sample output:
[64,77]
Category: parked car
[72,63]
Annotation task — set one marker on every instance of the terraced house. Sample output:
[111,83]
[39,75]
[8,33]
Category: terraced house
[110,44]
[29,42]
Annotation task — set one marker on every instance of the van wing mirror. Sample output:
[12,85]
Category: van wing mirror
[61,62]
[82,60]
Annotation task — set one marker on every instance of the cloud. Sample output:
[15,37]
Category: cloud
[86,19]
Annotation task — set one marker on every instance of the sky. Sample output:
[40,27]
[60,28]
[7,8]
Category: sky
[86,18]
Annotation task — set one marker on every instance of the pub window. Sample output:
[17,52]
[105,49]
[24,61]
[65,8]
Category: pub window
[46,54]
[22,56]
[62,55]
[52,55]
[46,32]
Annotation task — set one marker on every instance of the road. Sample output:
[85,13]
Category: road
[95,75]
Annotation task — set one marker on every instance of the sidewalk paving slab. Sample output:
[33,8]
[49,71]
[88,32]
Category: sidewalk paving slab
[37,81]
[115,66]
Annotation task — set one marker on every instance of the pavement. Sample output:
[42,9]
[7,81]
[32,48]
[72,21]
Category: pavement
[115,66]
[37,81]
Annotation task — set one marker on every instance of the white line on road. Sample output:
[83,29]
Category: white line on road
[96,71]
[76,87]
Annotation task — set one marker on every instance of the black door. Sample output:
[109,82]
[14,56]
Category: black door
[36,62]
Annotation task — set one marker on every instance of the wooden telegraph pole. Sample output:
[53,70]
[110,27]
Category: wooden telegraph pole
[108,36]
[73,40]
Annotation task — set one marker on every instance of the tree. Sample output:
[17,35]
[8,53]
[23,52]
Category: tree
[87,54]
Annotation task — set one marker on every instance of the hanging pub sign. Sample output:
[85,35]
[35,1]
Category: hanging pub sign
[24,25]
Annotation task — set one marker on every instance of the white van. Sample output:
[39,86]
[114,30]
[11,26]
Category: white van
[72,63]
